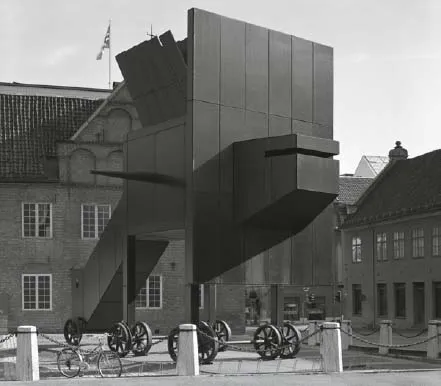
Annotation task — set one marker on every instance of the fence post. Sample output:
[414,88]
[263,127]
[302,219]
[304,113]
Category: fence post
[433,345]
[188,356]
[332,356]
[27,354]
[385,336]
[346,340]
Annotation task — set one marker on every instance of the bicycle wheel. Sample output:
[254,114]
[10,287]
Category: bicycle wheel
[109,364]
[69,362]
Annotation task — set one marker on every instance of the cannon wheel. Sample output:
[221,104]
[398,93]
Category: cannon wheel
[208,343]
[119,339]
[223,333]
[72,332]
[291,337]
[141,339]
[267,341]
[173,344]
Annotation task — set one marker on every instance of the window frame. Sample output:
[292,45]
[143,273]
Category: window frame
[201,296]
[36,275]
[436,236]
[398,244]
[147,295]
[436,285]
[97,234]
[416,247]
[37,204]
[356,249]
[381,246]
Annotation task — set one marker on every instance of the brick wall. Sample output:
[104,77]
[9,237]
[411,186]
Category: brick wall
[55,256]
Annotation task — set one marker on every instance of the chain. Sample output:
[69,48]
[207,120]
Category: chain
[391,345]
[60,344]
[411,336]
[368,334]
[6,338]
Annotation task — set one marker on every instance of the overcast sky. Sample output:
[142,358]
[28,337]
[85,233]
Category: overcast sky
[387,55]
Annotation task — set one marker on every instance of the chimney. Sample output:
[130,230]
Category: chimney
[398,152]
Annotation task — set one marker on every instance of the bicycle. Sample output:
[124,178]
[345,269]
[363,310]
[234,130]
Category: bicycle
[72,360]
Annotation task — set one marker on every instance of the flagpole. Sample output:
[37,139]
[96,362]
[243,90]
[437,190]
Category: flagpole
[110,54]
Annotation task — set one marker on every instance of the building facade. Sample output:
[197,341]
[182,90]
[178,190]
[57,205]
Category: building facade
[391,246]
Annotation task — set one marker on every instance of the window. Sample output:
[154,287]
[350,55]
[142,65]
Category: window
[437,299]
[94,219]
[436,241]
[417,242]
[381,246]
[400,300]
[356,249]
[37,220]
[382,299]
[150,296]
[356,299]
[201,296]
[37,292]
[398,245]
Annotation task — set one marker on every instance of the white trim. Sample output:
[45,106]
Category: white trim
[37,220]
[36,275]
[96,233]
[147,307]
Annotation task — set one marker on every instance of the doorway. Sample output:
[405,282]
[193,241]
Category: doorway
[418,304]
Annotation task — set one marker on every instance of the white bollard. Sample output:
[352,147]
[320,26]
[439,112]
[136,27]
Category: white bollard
[346,340]
[27,354]
[332,356]
[188,356]
[385,336]
[433,345]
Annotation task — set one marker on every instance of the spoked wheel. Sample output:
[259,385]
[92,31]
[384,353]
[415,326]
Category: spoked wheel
[72,332]
[223,333]
[291,337]
[267,341]
[69,362]
[208,344]
[172,344]
[141,339]
[109,364]
[119,339]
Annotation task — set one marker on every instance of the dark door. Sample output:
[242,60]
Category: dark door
[418,304]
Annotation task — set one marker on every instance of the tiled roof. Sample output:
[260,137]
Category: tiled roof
[31,125]
[407,187]
[351,188]
[377,163]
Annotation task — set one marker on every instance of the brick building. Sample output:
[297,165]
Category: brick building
[391,245]
[52,209]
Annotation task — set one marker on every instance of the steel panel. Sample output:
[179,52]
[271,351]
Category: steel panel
[279,126]
[256,68]
[205,146]
[315,174]
[206,55]
[279,259]
[256,125]
[323,85]
[322,131]
[232,70]
[301,127]
[175,59]
[279,74]
[302,79]
[232,124]
[283,176]
[302,248]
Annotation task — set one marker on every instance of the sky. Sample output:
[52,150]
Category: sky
[387,55]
